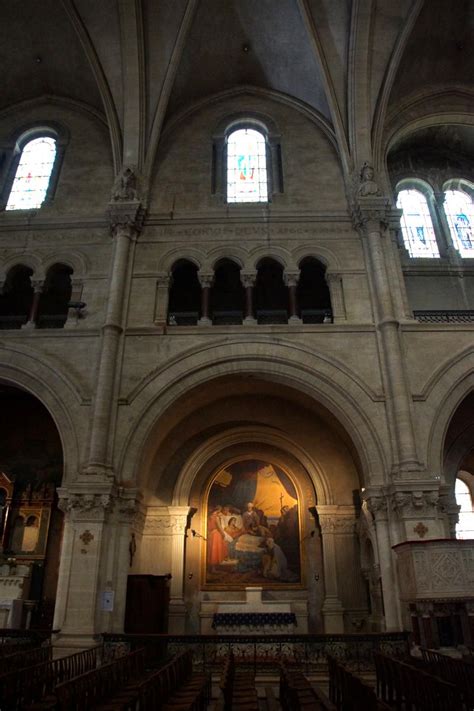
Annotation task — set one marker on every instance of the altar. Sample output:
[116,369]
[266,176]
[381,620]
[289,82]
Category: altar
[252,616]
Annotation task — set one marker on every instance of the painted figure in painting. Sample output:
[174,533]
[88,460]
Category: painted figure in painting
[253,526]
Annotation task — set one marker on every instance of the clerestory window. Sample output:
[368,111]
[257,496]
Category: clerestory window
[33,174]
[417,226]
[459,211]
[247,170]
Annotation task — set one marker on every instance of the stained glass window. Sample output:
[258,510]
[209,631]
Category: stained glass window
[465,525]
[33,174]
[417,227]
[460,213]
[247,179]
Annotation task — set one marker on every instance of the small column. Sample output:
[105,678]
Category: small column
[206,280]
[177,612]
[248,280]
[338,306]
[396,248]
[333,611]
[163,285]
[291,279]
[74,313]
[37,285]
[378,507]
[372,219]
[446,248]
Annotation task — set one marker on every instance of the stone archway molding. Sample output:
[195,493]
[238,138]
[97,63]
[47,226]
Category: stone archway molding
[447,389]
[331,383]
[31,372]
[190,473]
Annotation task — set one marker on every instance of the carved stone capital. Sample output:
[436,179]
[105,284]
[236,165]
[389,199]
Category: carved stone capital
[169,521]
[371,213]
[333,277]
[291,278]
[126,217]
[206,279]
[248,279]
[86,506]
[415,503]
[336,524]
[37,284]
[164,280]
[378,507]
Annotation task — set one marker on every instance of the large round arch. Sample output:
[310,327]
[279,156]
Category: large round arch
[27,371]
[350,401]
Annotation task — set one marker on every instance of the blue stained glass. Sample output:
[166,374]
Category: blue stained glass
[460,214]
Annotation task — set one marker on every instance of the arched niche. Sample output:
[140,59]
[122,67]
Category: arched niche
[32,461]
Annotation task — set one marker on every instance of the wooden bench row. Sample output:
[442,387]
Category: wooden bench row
[456,671]
[296,693]
[33,684]
[238,689]
[174,687]
[404,685]
[350,693]
[96,687]
[24,658]
[126,685]
[7,648]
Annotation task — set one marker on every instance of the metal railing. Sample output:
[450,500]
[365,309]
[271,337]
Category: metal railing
[444,316]
[263,653]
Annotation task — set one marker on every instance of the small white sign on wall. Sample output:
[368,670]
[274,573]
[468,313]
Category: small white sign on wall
[108,600]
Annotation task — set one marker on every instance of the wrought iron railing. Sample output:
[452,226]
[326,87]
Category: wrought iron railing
[263,653]
[444,316]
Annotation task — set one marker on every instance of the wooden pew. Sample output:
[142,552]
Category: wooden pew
[95,688]
[24,658]
[455,671]
[238,690]
[296,692]
[350,693]
[175,687]
[30,687]
[406,686]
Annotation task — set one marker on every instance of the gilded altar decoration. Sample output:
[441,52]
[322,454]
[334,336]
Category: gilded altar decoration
[253,529]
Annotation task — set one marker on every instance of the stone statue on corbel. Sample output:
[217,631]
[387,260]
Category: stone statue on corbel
[127,185]
[367,183]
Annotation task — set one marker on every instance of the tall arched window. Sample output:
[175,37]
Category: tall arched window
[247,174]
[464,499]
[33,174]
[460,213]
[417,226]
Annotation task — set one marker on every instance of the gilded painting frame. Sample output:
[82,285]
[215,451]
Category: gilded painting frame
[265,575]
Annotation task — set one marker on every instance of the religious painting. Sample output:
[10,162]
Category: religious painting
[253,527]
